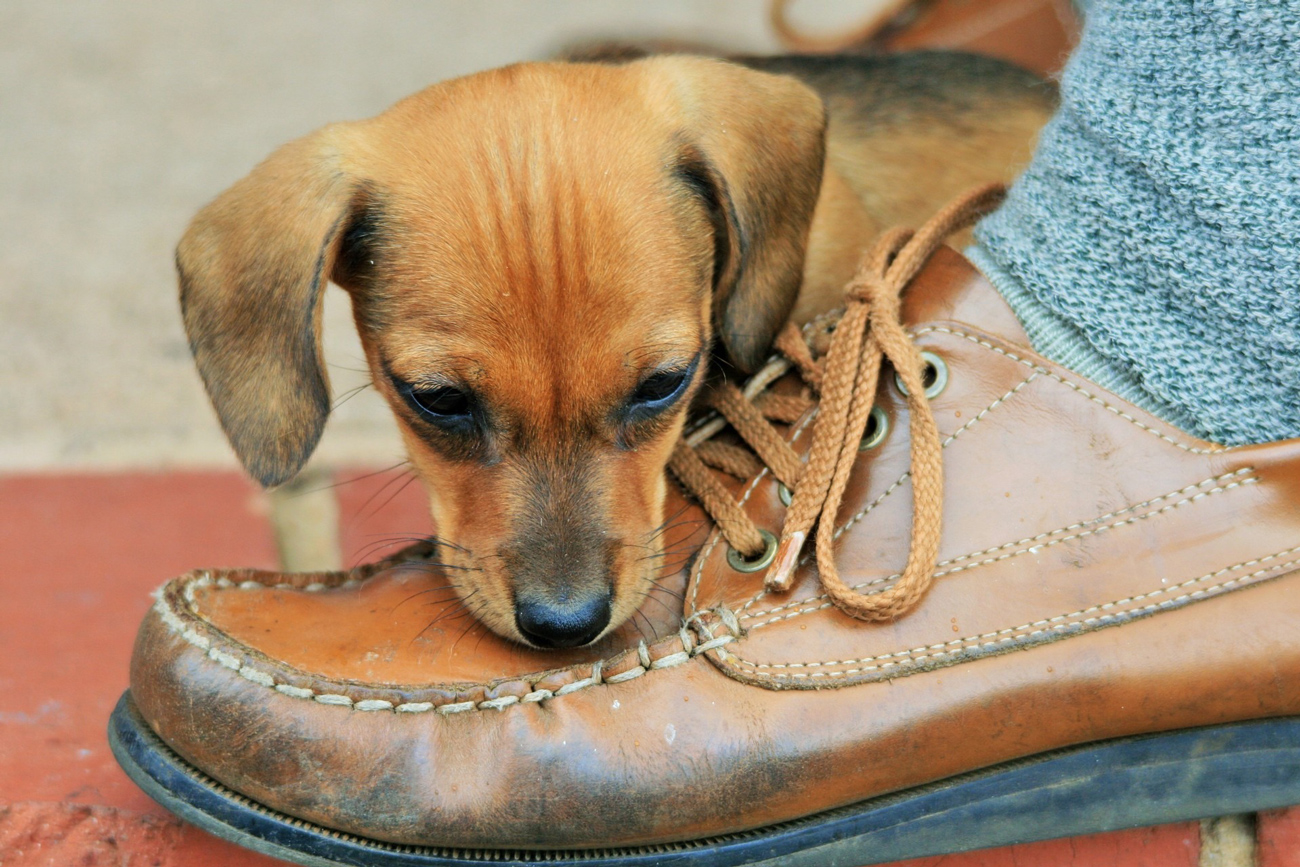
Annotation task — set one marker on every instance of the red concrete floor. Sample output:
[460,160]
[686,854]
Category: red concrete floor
[79,556]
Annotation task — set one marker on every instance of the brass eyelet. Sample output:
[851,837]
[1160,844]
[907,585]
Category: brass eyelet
[935,376]
[783,491]
[877,428]
[738,562]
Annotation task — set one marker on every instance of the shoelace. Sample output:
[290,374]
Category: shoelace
[869,331]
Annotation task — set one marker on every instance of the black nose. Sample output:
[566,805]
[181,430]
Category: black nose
[567,624]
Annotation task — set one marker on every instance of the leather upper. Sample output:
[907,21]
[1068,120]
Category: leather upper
[1147,577]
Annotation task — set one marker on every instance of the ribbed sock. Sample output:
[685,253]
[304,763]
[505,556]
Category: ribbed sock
[1153,244]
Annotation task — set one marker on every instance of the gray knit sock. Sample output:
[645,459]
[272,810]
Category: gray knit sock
[1153,244]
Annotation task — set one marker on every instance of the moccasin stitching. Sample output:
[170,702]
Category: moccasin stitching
[183,624]
[415,707]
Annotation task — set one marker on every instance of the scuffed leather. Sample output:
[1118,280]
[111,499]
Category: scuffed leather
[1147,579]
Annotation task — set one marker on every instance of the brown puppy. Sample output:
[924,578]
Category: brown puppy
[541,259]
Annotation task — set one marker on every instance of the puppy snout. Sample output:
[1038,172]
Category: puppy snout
[568,623]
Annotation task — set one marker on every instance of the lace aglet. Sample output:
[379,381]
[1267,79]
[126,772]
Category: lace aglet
[781,575]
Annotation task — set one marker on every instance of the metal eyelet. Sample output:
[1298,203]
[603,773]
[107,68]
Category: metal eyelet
[877,428]
[935,376]
[738,562]
[783,491]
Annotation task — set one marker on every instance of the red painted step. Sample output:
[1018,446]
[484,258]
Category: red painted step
[1162,846]
[1278,836]
[79,556]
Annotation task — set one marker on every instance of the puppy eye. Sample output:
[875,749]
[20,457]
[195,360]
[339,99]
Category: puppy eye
[660,387]
[444,406]
[659,391]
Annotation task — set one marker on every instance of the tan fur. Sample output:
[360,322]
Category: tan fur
[543,236]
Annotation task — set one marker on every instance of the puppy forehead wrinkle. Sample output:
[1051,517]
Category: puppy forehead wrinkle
[538,230]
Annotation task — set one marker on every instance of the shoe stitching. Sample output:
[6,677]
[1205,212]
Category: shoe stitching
[1038,370]
[1048,539]
[187,631]
[1035,628]
[975,419]
[1214,450]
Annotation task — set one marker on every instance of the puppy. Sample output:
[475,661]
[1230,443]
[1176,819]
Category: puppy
[543,260]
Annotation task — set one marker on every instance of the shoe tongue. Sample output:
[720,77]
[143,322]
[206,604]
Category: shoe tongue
[950,289]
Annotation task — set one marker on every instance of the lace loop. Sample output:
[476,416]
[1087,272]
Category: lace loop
[869,331]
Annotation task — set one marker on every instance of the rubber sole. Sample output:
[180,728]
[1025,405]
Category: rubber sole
[1106,786]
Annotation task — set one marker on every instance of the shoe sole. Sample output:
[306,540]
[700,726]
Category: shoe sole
[1106,786]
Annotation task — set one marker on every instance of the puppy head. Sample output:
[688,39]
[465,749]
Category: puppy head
[540,260]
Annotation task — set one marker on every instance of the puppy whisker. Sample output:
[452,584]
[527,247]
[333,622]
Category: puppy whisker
[680,597]
[348,395]
[449,588]
[413,539]
[361,478]
[664,606]
[453,613]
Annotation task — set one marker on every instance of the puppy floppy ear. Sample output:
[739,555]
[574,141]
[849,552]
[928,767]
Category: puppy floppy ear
[755,154]
[253,267]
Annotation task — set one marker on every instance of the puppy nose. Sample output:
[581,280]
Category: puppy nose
[566,624]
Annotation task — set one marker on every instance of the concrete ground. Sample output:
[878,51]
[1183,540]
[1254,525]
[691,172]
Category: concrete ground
[117,121]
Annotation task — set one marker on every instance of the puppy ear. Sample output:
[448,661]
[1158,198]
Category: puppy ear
[755,155]
[253,267]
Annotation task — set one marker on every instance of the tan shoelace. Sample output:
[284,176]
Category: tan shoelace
[869,331]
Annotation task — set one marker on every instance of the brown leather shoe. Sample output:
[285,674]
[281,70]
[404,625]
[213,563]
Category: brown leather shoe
[1105,632]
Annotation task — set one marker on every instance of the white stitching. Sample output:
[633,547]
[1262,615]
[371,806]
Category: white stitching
[228,660]
[415,707]
[458,707]
[1057,623]
[668,661]
[715,643]
[630,674]
[221,657]
[294,691]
